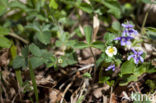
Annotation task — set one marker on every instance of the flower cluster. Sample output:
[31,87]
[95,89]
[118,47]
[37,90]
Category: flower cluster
[127,34]
[128,31]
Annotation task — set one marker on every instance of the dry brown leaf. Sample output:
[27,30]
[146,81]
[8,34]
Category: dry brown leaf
[4,61]
[96,24]
[113,98]
[54,95]
[98,92]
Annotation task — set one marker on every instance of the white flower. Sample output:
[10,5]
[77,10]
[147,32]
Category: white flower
[60,61]
[110,51]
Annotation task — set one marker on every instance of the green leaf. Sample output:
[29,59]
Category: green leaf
[44,37]
[86,7]
[149,1]
[18,62]
[4,42]
[128,67]
[151,32]
[18,4]
[108,37]
[81,45]
[4,31]
[25,51]
[113,6]
[88,33]
[3,5]
[103,79]
[87,75]
[53,4]
[35,50]
[116,25]
[36,62]
[98,44]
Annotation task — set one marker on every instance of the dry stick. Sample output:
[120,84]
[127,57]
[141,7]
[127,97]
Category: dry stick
[111,94]
[138,89]
[19,38]
[68,86]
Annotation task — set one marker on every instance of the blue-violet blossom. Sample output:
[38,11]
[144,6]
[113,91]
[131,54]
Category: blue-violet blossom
[124,40]
[111,67]
[136,56]
[129,30]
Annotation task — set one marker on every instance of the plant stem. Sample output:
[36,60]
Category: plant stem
[19,77]
[144,22]
[19,38]
[94,60]
[33,82]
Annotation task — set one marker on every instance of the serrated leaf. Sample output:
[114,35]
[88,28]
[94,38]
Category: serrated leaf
[44,37]
[4,42]
[35,50]
[88,33]
[36,62]
[18,62]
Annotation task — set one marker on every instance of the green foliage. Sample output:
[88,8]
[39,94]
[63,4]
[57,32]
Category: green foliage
[87,75]
[108,37]
[32,75]
[42,32]
[88,34]
[68,59]
[4,42]
[151,33]
[130,72]
[116,26]
[53,4]
[128,67]
[3,5]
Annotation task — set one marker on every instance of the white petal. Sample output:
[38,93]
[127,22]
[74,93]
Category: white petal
[115,51]
[110,54]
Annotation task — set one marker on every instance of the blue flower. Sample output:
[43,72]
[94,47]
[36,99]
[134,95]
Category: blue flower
[128,30]
[136,56]
[124,40]
[110,67]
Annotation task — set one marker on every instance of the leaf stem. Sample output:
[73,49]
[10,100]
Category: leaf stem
[33,82]
[144,22]
[94,60]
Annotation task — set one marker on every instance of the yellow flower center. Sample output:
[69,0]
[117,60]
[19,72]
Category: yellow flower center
[111,50]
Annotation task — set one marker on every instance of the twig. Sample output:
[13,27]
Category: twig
[111,95]
[66,89]
[19,38]
[86,67]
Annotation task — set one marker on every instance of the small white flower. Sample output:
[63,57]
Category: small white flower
[60,61]
[110,51]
